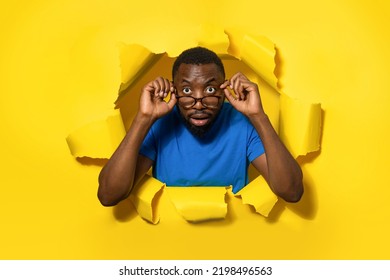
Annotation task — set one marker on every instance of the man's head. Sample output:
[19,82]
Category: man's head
[197,76]
[197,56]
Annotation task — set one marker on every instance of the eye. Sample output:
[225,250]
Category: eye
[210,90]
[186,90]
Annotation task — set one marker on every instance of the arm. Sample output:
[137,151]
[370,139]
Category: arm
[279,168]
[126,167]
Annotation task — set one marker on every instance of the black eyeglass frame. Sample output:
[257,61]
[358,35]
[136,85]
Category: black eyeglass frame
[195,100]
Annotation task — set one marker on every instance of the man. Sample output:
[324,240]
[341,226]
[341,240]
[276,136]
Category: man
[195,138]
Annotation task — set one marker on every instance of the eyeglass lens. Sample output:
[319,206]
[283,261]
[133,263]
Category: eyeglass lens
[207,101]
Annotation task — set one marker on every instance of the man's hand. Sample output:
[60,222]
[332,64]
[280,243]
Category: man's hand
[152,103]
[247,98]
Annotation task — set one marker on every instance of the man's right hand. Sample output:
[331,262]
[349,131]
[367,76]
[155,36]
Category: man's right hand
[152,103]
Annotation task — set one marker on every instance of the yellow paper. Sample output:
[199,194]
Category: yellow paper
[300,125]
[299,121]
[213,38]
[135,62]
[258,194]
[198,204]
[333,52]
[144,197]
[98,139]
[257,52]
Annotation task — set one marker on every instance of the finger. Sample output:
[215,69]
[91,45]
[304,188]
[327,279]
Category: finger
[242,85]
[232,81]
[237,86]
[171,87]
[229,96]
[241,76]
[149,87]
[242,90]
[161,81]
[239,90]
[172,101]
[157,87]
[225,84]
[162,87]
[166,88]
[236,76]
[249,87]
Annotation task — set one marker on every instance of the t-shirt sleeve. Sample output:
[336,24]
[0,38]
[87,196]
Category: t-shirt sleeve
[149,147]
[255,146]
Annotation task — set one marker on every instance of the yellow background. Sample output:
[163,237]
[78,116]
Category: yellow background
[59,70]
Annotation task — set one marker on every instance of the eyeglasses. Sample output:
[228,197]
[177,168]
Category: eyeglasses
[187,102]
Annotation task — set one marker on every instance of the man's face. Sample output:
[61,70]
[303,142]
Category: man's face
[199,81]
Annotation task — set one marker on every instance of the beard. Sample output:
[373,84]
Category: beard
[198,131]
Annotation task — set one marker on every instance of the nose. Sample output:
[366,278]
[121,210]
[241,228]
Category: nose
[198,104]
[198,95]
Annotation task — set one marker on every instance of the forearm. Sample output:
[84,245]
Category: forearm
[117,177]
[284,174]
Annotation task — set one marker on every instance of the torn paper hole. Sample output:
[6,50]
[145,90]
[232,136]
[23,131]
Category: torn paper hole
[145,196]
[299,123]
[197,204]
[258,194]
[135,61]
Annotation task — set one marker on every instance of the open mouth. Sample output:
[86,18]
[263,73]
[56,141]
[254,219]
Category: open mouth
[199,122]
[199,119]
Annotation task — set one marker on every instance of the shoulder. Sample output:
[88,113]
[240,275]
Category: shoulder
[230,113]
[165,125]
[167,120]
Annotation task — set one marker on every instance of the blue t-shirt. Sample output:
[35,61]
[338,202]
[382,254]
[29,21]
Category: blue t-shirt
[220,158]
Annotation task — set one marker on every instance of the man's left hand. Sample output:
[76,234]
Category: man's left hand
[247,98]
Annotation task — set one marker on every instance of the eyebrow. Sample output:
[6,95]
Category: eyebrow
[207,82]
[211,80]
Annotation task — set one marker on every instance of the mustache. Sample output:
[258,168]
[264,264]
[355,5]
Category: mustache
[199,113]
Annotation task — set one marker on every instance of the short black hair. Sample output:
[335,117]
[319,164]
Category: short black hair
[197,56]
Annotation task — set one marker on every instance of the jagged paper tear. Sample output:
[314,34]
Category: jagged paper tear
[197,204]
[257,52]
[299,123]
[144,197]
[258,194]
